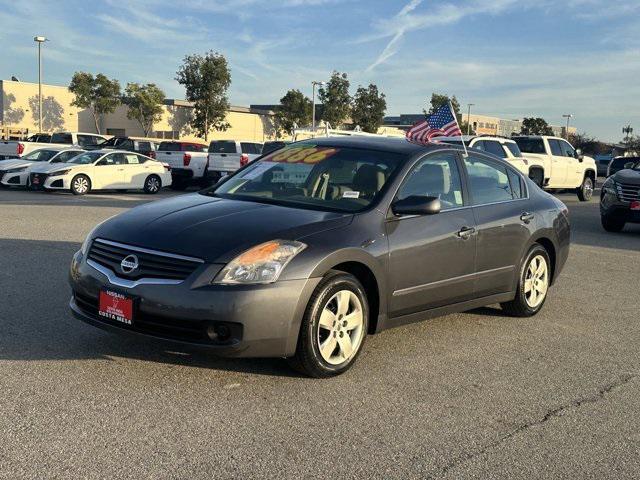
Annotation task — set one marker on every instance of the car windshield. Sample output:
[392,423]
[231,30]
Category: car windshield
[313,176]
[530,144]
[513,148]
[40,155]
[86,158]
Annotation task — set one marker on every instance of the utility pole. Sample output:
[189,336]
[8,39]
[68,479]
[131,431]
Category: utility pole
[568,116]
[39,40]
[469,105]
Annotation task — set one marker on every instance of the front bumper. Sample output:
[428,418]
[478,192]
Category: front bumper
[611,206]
[263,320]
[47,182]
[17,179]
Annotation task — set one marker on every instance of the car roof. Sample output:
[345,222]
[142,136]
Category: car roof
[468,138]
[391,144]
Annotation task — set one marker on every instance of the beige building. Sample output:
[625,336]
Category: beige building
[19,117]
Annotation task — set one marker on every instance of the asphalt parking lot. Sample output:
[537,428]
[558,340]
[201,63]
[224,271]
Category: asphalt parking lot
[474,395]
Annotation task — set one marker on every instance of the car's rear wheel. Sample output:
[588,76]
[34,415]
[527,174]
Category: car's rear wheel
[533,284]
[80,184]
[585,191]
[152,184]
[612,224]
[334,327]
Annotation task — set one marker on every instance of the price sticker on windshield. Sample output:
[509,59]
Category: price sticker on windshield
[309,155]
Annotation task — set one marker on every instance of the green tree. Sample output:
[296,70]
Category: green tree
[144,104]
[368,108]
[336,102]
[206,79]
[98,94]
[535,126]
[294,109]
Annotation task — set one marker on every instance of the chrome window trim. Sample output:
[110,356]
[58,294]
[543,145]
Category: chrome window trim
[146,250]
[122,282]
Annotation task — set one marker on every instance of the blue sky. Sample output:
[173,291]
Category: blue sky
[512,58]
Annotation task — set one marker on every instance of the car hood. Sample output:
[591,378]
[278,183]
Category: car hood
[50,167]
[213,229]
[627,176]
[14,163]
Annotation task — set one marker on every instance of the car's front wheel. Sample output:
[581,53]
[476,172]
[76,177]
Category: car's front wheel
[533,284]
[80,184]
[334,327]
[585,191]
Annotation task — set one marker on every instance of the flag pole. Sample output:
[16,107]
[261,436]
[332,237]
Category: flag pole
[455,117]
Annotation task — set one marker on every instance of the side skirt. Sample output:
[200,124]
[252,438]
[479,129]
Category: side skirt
[446,310]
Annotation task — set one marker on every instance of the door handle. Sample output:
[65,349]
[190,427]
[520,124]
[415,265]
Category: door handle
[465,232]
[526,217]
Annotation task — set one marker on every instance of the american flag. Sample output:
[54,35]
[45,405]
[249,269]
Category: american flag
[442,123]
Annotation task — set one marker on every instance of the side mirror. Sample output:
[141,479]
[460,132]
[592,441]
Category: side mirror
[579,155]
[417,205]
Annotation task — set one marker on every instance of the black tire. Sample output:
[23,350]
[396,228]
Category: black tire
[80,185]
[519,307]
[612,224]
[537,176]
[152,184]
[585,191]
[179,185]
[308,359]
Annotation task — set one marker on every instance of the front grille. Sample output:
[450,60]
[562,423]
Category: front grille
[151,264]
[192,331]
[628,192]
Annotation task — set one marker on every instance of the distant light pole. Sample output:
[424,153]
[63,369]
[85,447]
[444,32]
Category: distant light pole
[568,116]
[628,130]
[313,104]
[469,105]
[39,40]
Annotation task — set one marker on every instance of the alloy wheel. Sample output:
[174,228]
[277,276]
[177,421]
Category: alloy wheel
[153,184]
[81,185]
[536,282]
[588,189]
[340,328]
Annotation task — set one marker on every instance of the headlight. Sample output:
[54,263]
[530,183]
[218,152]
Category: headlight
[59,172]
[89,238]
[16,170]
[260,264]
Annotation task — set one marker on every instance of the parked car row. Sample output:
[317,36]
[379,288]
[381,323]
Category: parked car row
[78,171]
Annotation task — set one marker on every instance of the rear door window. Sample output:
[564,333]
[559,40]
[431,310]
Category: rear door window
[556,149]
[495,148]
[223,146]
[131,158]
[488,181]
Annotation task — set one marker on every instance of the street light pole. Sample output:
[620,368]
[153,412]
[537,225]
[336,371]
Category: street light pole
[568,117]
[313,104]
[39,40]
[469,105]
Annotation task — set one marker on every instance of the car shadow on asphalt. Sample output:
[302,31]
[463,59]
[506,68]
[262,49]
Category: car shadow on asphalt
[37,325]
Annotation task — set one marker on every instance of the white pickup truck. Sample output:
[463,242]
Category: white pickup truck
[17,149]
[227,156]
[504,148]
[564,166]
[188,162]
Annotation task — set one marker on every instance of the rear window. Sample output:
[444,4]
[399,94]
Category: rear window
[62,138]
[494,148]
[253,148]
[530,145]
[223,146]
[513,148]
[181,147]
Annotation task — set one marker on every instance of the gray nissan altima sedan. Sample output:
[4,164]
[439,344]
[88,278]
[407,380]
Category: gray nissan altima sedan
[304,252]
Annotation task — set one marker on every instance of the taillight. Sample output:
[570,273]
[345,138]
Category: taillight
[244,159]
[20,148]
[186,159]
[152,155]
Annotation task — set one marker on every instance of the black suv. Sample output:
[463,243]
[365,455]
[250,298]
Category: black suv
[144,147]
[620,197]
